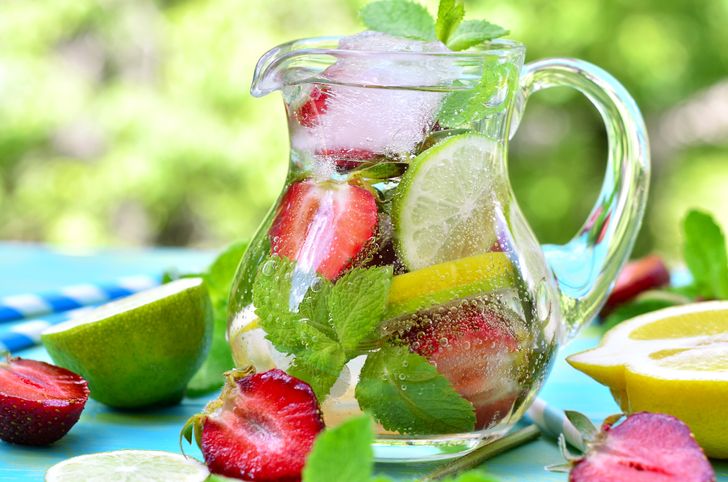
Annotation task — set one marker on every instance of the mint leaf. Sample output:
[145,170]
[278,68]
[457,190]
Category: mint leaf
[400,18]
[357,304]
[465,107]
[705,255]
[449,15]
[320,364]
[635,308]
[272,300]
[342,454]
[219,278]
[408,395]
[473,32]
[472,476]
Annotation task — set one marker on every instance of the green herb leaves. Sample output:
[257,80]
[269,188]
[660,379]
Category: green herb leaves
[330,324]
[705,255]
[335,323]
[342,454]
[473,32]
[464,107]
[400,18]
[449,15]
[404,18]
[408,395]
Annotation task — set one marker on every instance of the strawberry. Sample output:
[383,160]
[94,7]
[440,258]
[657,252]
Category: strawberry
[475,350]
[323,226]
[39,402]
[637,276]
[645,447]
[260,429]
[347,159]
[315,105]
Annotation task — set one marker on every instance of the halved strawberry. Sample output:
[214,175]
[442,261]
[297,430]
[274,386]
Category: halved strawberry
[260,429]
[645,447]
[474,348]
[637,277]
[39,402]
[323,226]
[309,112]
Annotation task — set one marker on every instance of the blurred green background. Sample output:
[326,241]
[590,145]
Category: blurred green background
[129,122]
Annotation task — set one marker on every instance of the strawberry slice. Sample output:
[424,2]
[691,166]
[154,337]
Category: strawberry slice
[323,226]
[309,112]
[39,402]
[645,447]
[475,350]
[261,428]
[637,277]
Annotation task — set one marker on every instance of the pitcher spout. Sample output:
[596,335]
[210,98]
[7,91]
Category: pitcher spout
[292,63]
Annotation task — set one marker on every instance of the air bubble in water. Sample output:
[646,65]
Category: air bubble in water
[269,267]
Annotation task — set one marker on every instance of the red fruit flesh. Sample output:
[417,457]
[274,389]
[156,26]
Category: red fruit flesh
[646,447]
[347,159]
[39,402]
[323,226]
[474,349]
[314,106]
[264,429]
[637,276]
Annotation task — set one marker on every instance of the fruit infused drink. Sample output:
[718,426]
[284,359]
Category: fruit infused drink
[395,274]
[388,275]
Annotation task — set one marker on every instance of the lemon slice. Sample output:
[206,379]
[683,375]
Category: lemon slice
[671,361]
[444,282]
[128,466]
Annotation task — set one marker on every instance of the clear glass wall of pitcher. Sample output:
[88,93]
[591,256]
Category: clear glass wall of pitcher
[396,274]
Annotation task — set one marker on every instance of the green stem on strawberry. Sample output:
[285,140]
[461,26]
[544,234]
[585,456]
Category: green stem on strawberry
[480,455]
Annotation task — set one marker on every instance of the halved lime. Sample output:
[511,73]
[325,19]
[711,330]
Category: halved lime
[128,466]
[141,350]
[444,206]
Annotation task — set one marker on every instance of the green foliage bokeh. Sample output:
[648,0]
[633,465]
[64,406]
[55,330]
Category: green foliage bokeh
[129,122]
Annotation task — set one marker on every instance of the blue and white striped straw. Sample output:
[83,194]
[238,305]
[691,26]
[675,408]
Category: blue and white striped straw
[18,307]
[553,422]
[27,333]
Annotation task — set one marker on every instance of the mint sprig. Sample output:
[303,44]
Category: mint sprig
[705,255]
[344,454]
[328,326]
[408,395]
[404,18]
[401,18]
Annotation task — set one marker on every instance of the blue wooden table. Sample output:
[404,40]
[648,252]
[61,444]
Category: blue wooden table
[25,269]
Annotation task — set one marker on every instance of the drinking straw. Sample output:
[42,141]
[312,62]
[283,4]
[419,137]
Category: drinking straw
[17,307]
[27,333]
[553,422]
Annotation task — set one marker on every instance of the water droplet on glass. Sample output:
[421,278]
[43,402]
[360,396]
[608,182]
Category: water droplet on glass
[269,267]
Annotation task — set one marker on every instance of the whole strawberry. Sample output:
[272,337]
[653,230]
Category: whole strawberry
[260,429]
[645,447]
[39,402]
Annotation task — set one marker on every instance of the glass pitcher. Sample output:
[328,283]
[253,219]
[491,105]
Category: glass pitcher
[396,274]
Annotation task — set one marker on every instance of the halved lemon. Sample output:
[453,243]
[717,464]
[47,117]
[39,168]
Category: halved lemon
[671,361]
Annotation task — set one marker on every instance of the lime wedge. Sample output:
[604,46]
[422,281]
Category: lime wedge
[444,207]
[141,350]
[128,466]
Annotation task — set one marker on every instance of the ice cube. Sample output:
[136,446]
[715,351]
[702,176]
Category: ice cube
[365,115]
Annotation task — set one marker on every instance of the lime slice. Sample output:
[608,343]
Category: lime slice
[443,209]
[128,466]
[443,282]
[672,361]
[141,350]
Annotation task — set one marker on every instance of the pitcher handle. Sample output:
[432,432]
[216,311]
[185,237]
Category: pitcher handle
[586,267]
